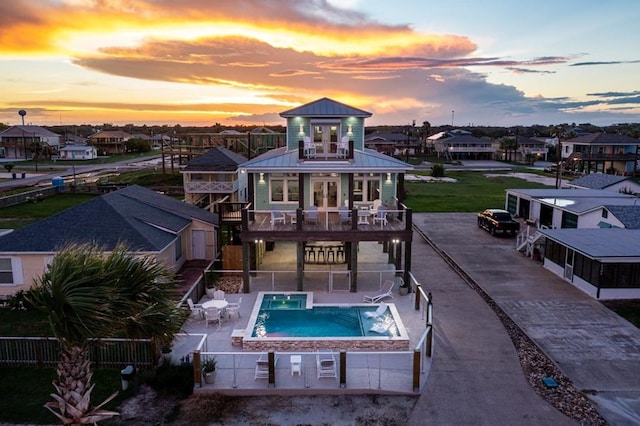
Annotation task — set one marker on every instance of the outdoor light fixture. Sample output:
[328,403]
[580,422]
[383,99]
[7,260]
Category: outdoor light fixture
[349,129]
[388,177]
[262,177]
[302,129]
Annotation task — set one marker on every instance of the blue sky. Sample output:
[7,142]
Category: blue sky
[200,62]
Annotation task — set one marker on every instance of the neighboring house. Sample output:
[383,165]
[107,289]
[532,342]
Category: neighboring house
[459,146]
[320,187]
[149,223]
[110,142]
[214,176]
[604,263]
[614,183]
[78,152]
[18,141]
[601,152]
[535,148]
[392,143]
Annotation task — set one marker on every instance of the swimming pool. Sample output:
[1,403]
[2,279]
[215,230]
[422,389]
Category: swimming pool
[291,321]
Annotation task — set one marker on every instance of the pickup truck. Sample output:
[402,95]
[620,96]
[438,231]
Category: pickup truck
[497,220]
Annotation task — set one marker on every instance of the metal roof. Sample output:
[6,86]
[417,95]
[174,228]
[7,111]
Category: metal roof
[282,161]
[325,107]
[599,243]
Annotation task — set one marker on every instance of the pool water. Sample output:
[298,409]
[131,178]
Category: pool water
[321,321]
[284,301]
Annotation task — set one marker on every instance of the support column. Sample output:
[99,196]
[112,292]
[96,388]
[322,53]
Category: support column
[353,256]
[407,261]
[246,261]
[300,266]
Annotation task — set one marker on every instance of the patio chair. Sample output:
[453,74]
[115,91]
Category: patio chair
[309,147]
[212,315]
[345,214]
[326,364]
[343,147]
[376,204]
[262,366]
[385,291]
[233,309]
[311,215]
[278,216]
[381,310]
[196,308]
[380,216]
[218,295]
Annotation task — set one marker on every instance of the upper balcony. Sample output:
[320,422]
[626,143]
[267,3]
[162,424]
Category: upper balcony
[211,187]
[325,150]
[358,224]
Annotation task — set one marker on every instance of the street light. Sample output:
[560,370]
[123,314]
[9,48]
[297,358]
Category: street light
[22,113]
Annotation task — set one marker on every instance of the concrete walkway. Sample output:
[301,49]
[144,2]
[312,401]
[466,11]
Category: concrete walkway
[475,376]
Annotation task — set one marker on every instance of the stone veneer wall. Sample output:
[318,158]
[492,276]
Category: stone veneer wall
[333,344]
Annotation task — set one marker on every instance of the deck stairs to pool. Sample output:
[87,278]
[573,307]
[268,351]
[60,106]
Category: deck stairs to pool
[346,320]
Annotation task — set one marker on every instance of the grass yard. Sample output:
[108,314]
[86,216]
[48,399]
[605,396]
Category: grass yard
[19,216]
[473,192]
[25,390]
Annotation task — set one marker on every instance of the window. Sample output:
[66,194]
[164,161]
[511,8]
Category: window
[605,213]
[6,272]
[179,247]
[10,270]
[366,188]
[284,187]
[569,220]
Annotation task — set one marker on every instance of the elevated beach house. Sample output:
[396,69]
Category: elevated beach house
[326,193]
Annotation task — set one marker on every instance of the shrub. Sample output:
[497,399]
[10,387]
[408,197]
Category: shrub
[437,170]
[169,379]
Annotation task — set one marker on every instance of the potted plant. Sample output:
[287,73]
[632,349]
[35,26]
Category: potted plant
[211,283]
[209,370]
[403,290]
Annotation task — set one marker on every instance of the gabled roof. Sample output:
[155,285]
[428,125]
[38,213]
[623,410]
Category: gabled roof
[628,215]
[20,131]
[145,220]
[325,107]
[216,159]
[599,243]
[464,139]
[111,134]
[366,161]
[77,148]
[389,137]
[604,139]
[597,181]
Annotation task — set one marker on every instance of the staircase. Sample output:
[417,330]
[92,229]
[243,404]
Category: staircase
[526,242]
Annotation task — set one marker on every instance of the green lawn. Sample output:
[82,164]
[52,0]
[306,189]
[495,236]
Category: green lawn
[18,216]
[473,192]
[25,390]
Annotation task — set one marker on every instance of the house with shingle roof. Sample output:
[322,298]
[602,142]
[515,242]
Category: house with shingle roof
[18,141]
[109,142]
[615,183]
[458,146]
[325,192]
[149,223]
[609,153]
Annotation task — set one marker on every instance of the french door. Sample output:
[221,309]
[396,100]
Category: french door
[325,192]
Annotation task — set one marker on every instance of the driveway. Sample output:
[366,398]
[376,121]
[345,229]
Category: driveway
[598,350]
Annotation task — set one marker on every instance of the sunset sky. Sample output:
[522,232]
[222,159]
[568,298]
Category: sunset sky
[198,62]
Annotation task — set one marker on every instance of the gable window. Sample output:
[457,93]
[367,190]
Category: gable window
[366,188]
[283,188]
[178,247]
[605,213]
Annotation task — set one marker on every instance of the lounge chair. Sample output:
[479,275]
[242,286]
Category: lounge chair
[345,214]
[381,310]
[385,291]
[380,216]
[233,309]
[262,366]
[326,364]
[309,147]
[343,147]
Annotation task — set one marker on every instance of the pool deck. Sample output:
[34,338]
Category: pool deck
[367,372]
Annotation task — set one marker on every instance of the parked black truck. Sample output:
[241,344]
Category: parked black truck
[498,221]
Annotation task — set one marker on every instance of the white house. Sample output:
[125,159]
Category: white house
[78,152]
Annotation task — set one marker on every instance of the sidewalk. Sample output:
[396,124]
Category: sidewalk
[474,378]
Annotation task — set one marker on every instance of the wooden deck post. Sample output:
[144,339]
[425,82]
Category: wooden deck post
[272,368]
[197,376]
[343,369]
[416,370]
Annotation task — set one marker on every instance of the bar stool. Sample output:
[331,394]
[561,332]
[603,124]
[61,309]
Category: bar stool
[340,253]
[331,254]
[308,253]
[321,253]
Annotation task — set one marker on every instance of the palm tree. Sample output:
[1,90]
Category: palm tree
[88,294]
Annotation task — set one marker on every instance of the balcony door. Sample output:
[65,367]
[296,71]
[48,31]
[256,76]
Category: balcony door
[325,136]
[325,192]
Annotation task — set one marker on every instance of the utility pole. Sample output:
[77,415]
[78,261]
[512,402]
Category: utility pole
[559,162]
